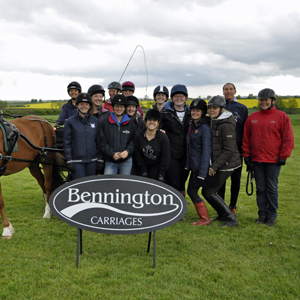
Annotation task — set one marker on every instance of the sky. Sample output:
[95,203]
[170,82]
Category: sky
[203,44]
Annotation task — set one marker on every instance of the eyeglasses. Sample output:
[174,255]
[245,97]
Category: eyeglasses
[179,96]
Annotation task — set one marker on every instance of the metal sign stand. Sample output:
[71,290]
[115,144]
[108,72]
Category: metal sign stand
[79,246]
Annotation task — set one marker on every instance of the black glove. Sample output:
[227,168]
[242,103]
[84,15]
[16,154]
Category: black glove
[248,163]
[71,167]
[281,162]
[144,174]
[100,167]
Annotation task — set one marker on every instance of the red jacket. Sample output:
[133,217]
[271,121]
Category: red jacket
[268,135]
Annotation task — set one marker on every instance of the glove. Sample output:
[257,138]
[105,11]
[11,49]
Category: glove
[71,167]
[144,174]
[100,167]
[248,163]
[281,162]
[161,178]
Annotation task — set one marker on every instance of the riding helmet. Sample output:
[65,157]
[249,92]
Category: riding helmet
[84,97]
[179,89]
[74,85]
[96,89]
[266,93]
[161,89]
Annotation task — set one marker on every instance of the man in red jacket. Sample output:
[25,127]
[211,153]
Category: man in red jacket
[268,141]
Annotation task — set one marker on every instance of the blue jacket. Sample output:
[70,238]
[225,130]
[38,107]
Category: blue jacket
[68,110]
[116,137]
[199,148]
[240,114]
[81,139]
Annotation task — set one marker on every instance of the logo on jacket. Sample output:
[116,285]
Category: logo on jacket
[148,152]
[93,125]
[126,131]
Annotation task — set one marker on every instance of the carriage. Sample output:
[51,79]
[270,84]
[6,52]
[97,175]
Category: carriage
[30,141]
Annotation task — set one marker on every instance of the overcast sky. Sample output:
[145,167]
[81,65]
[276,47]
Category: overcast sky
[44,45]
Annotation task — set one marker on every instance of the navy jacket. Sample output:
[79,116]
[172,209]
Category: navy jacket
[81,139]
[68,110]
[240,114]
[116,137]
[175,129]
[199,147]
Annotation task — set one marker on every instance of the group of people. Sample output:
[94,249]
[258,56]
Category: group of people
[174,140]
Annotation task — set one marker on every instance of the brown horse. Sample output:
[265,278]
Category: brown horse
[40,133]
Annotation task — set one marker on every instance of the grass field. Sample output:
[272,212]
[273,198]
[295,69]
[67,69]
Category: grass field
[247,262]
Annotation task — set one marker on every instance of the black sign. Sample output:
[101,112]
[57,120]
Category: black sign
[118,204]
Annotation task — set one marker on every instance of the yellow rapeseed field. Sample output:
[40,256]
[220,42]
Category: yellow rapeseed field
[250,103]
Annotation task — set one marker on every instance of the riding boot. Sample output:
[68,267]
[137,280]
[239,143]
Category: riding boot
[223,210]
[202,213]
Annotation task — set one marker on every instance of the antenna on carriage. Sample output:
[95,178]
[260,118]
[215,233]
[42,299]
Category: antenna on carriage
[144,61]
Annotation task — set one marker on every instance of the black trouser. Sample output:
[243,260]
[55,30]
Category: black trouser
[235,187]
[208,191]
[176,175]
[193,188]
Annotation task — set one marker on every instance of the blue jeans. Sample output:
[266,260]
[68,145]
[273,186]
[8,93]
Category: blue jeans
[266,180]
[84,169]
[123,168]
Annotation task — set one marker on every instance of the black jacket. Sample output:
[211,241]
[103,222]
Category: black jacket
[175,129]
[81,139]
[116,137]
[150,153]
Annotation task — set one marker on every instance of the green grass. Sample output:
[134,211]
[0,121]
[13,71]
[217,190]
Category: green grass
[248,262]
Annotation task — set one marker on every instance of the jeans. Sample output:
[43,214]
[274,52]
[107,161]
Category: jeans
[124,168]
[266,179]
[84,169]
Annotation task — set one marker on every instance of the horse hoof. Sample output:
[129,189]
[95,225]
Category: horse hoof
[7,234]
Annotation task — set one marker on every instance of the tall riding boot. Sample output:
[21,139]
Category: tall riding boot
[202,213]
[223,210]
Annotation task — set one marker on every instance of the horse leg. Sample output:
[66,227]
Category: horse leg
[39,176]
[48,187]
[8,230]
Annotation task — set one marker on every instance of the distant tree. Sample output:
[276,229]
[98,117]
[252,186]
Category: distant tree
[238,97]
[40,100]
[208,97]
[279,104]
[33,101]
[3,104]
[251,96]
[292,106]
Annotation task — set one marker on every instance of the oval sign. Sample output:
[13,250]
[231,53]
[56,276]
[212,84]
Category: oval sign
[118,204]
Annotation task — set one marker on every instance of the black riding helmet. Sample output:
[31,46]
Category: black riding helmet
[119,99]
[84,97]
[152,114]
[74,85]
[200,104]
[161,89]
[132,100]
[266,93]
[96,89]
[217,101]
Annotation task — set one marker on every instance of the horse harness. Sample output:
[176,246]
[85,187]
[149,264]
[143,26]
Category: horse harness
[11,135]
